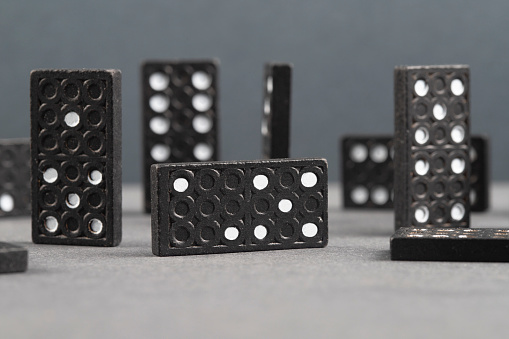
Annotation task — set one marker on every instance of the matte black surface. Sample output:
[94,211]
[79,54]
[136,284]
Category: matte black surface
[224,196]
[12,258]
[368,171]
[175,129]
[368,181]
[277,88]
[14,177]
[432,197]
[86,154]
[450,244]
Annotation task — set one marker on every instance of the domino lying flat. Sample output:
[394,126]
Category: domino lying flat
[276,111]
[432,144]
[76,137]
[450,244]
[180,114]
[14,177]
[368,172]
[12,258]
[217,207]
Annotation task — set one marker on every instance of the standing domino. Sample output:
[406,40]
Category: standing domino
[75,118]
[432,140]
[180,114]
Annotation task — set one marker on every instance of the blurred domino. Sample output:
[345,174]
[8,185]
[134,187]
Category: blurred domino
[432,141]
[276,111]
[180,114]
[76,138]
[368,172]
[14,177]
[12,258]
[450,244]
[217,207]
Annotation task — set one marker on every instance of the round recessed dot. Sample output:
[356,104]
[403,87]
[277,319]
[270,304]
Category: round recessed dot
[95,226]
[358,153]
[95,177]
[159,81]
[421,88]
[160,152]
[473,154]
[285,205]
[73,200]
[6,202]
[457,211]
[270,85]
[379,195]
[266,106]
[421,135]
[473,196]
[203,151]
[439,111]
[50,175]
[202,123]
[379,153]
[231,233]
[309,230]
[159,103]
[260,232]
[202,102]
[421,167]
[201,80]
[180,185]
[457,87]
[458,134]
[72,119]
[51,224]
[260,181]
[308,179]
[457,165]
[159,125]
[421,214]
[359,195]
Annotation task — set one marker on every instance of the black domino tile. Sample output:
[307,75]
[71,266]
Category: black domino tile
[13,258]
[14,177]
[450,244]
[368,174]
[180,108]
[277,87]
[76,157]
[238,206]
[431,161]
[367,171]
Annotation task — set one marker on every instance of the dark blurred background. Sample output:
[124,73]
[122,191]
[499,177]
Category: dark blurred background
[343,53]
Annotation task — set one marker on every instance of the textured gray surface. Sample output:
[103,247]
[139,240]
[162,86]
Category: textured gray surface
[343,52]
[349,289]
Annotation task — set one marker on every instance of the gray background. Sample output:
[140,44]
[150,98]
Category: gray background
[343,54]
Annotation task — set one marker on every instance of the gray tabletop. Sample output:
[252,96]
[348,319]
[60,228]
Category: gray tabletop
[349,289]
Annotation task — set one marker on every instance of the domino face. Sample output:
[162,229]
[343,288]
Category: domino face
[276,111]
[217,207]
[76,161]
[12,258]
[180,105]
[368,172]
[450,244]
[14,177]
[432,141]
